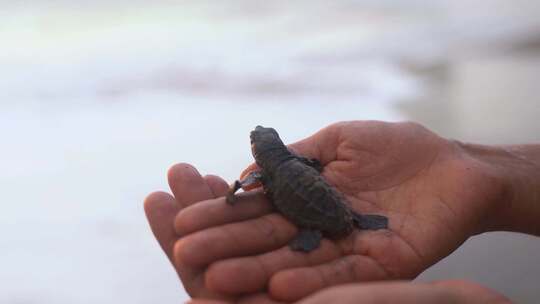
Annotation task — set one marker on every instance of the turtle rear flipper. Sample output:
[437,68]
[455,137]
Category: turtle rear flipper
[306,240]
[370,221]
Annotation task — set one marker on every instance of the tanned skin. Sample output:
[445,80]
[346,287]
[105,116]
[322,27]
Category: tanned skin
[436,193]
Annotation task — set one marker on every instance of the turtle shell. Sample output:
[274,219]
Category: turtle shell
[300,193]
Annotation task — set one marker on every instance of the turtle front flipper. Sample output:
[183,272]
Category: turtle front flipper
[370,221]
[252,179]
[306,240]
[312,162]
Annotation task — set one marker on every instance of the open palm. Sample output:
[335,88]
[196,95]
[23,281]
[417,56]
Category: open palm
[434,194]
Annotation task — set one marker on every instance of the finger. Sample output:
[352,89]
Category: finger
[218,186]
[255,236]
[161,209]
[260,298]
[187,185]
[217,212]
[205,301]
[252,274]
[294,284]
[472,291]
[321,145]
[406,293]
[387,292]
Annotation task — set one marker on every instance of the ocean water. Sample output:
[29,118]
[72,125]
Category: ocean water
[98,100]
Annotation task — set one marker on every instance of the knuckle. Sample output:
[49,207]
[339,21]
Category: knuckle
[178,252]
[230,234]
[353,265]
[344,270]
[186,252]
[182,223]
[275,228]
[324,277]
[266,226]
[262,267]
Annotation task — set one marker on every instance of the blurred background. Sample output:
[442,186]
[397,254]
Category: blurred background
[99,98]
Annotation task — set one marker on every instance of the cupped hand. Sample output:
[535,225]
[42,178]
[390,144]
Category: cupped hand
[442,292]
[433,192]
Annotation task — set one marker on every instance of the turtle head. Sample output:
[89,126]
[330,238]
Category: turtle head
[262,136]
[264,140]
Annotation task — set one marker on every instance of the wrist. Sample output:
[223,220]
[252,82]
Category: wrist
[515,173]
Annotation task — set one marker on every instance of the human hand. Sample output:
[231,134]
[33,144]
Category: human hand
[188,188]
[434,193]
[443,292]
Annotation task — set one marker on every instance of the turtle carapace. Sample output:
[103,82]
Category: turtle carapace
[297,189]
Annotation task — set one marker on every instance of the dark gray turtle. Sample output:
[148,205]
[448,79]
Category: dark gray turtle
[296,188]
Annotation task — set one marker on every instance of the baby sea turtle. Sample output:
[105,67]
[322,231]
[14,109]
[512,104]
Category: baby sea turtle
[296,188]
